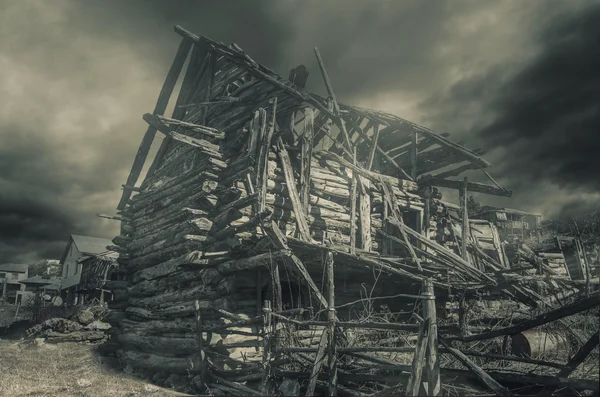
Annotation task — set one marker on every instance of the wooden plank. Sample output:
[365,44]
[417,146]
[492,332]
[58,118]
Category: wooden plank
[414,382]
[578,306]
[414,152]
[472,186]
[336,109]
[433,363]
[267,337]
[365,219]
[580,356]
[306,157]
[263,156]
[318,364]
[466,230]
[298,208]
[373,147]
[161,106]
[353,194]
[483,376]
[331,349]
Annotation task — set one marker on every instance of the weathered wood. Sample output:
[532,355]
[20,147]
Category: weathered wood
[306,158]
[373,147]
[472,186]
[336,109]
[331,329]
[433,364]
[578,306]
[267,340]
[418,363]
[318,364]
[202,129]
[486,379]
[466,230]
[293,192]
[265,144]
[580,356]
[353,195]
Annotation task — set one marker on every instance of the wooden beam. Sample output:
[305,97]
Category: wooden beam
[331,320]
[336,109]
[466,230]
[373,147]
[353,194]
[297,206]
[433,363]
[414,152]
[418,363]
[579,357]
[161,106]
[306,156]
[578,306]
[471,186]
[483,376]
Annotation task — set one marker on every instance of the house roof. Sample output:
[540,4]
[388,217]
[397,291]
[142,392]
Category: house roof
[39,280]
[87,245]
[90,245]
[507,210]
[14,267]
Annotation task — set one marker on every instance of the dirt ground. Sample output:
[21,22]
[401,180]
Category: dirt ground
[66,369]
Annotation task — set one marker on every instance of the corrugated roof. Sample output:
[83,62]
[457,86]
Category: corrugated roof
[14,267]
[91,245]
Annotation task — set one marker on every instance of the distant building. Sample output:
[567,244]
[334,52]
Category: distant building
[48,286]
[96,271]
[10,276]
[78,249]
[512,223]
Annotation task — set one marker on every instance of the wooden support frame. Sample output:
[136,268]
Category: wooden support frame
[306,157]
[472,186]
[297,206]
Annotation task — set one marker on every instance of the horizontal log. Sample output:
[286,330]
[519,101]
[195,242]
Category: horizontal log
[155,362]
[471,186]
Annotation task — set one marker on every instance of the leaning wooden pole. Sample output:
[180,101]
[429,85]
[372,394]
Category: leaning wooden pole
[332,359]
[579,357]
[266,361]
[433,363]
[161,106]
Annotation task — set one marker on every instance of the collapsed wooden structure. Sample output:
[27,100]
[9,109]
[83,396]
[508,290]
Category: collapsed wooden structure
[274,227]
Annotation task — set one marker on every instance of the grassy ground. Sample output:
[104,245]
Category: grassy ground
[67,369]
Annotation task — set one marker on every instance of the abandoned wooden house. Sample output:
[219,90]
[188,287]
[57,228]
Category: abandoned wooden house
[266,206]
[513,223]
[76,252]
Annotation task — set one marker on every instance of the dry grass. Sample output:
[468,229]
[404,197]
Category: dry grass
[69,370]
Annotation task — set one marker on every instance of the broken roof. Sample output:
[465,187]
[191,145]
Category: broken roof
[238,80]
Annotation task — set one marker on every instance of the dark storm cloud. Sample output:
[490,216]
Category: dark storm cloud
[540,115]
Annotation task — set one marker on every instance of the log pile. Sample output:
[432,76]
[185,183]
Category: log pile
[273,229]
[83,326]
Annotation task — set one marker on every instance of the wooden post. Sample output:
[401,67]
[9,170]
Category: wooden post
[416,373]
[465,220]
[353,195]
[427,211]
[307,149]
[414,152]
[331,325]
[433,364]
[266,362]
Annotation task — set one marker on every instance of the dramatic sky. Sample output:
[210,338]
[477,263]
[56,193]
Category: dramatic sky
[520,79]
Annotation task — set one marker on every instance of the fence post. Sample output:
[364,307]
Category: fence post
[332,359]
[433,364]
[266,361]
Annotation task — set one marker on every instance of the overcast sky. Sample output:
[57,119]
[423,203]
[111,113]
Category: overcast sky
[520,79]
